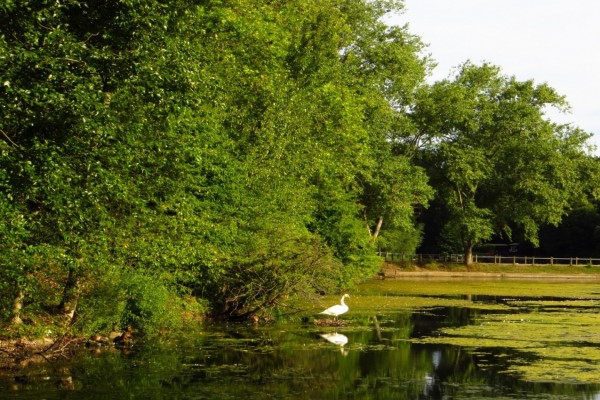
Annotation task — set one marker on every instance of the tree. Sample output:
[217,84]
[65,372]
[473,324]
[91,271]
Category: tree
[53,101]
[226,150]
[89,165]
[497,162]
[384,66]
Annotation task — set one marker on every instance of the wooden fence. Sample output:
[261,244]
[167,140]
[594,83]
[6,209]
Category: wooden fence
[485,259]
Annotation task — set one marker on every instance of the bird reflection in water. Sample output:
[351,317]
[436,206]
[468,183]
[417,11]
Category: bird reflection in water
[337,339]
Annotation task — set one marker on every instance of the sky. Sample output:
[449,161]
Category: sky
[551,41]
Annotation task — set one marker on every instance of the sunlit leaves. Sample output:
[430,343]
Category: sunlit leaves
[503,164]
[217,146]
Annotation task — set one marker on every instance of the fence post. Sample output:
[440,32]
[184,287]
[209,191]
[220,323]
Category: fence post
[514,260]
[551,260]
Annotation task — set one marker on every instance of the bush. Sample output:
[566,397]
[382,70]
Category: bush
[143,300]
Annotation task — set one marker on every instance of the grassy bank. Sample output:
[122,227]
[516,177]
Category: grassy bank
[391,269]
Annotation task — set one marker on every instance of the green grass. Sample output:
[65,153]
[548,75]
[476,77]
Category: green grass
[501,268]
[461,287]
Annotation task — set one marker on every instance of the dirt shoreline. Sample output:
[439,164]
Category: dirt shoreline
[22,352]
[425,274]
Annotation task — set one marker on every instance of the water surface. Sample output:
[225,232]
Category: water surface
[403,340]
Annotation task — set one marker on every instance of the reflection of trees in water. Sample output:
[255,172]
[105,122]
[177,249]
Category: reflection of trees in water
[427,322]
[380,361]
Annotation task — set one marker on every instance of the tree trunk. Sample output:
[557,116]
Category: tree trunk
[68,304]
[367,223]
[378,227]
[468,255]
[17,307]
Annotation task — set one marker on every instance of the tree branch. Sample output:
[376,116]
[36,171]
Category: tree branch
[9,139]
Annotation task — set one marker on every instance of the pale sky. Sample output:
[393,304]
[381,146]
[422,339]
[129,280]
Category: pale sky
[552,41]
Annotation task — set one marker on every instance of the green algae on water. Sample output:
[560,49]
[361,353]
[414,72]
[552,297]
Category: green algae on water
[550,330]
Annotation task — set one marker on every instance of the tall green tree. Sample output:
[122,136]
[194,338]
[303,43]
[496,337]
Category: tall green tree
[383,66]
[226,150]
[53,102]
[91,164]
[499,163]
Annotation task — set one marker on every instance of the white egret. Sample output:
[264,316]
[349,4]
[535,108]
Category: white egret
[338,309]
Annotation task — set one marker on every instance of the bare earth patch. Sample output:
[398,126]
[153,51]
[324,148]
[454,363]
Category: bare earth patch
[20,353]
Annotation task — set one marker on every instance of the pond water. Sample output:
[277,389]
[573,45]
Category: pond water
[403,340]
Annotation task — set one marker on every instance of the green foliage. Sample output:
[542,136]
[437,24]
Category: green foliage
[400,241]
[153,150]
[499,164]
[144,300]
[272,263]
[149,304]
[245,153]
